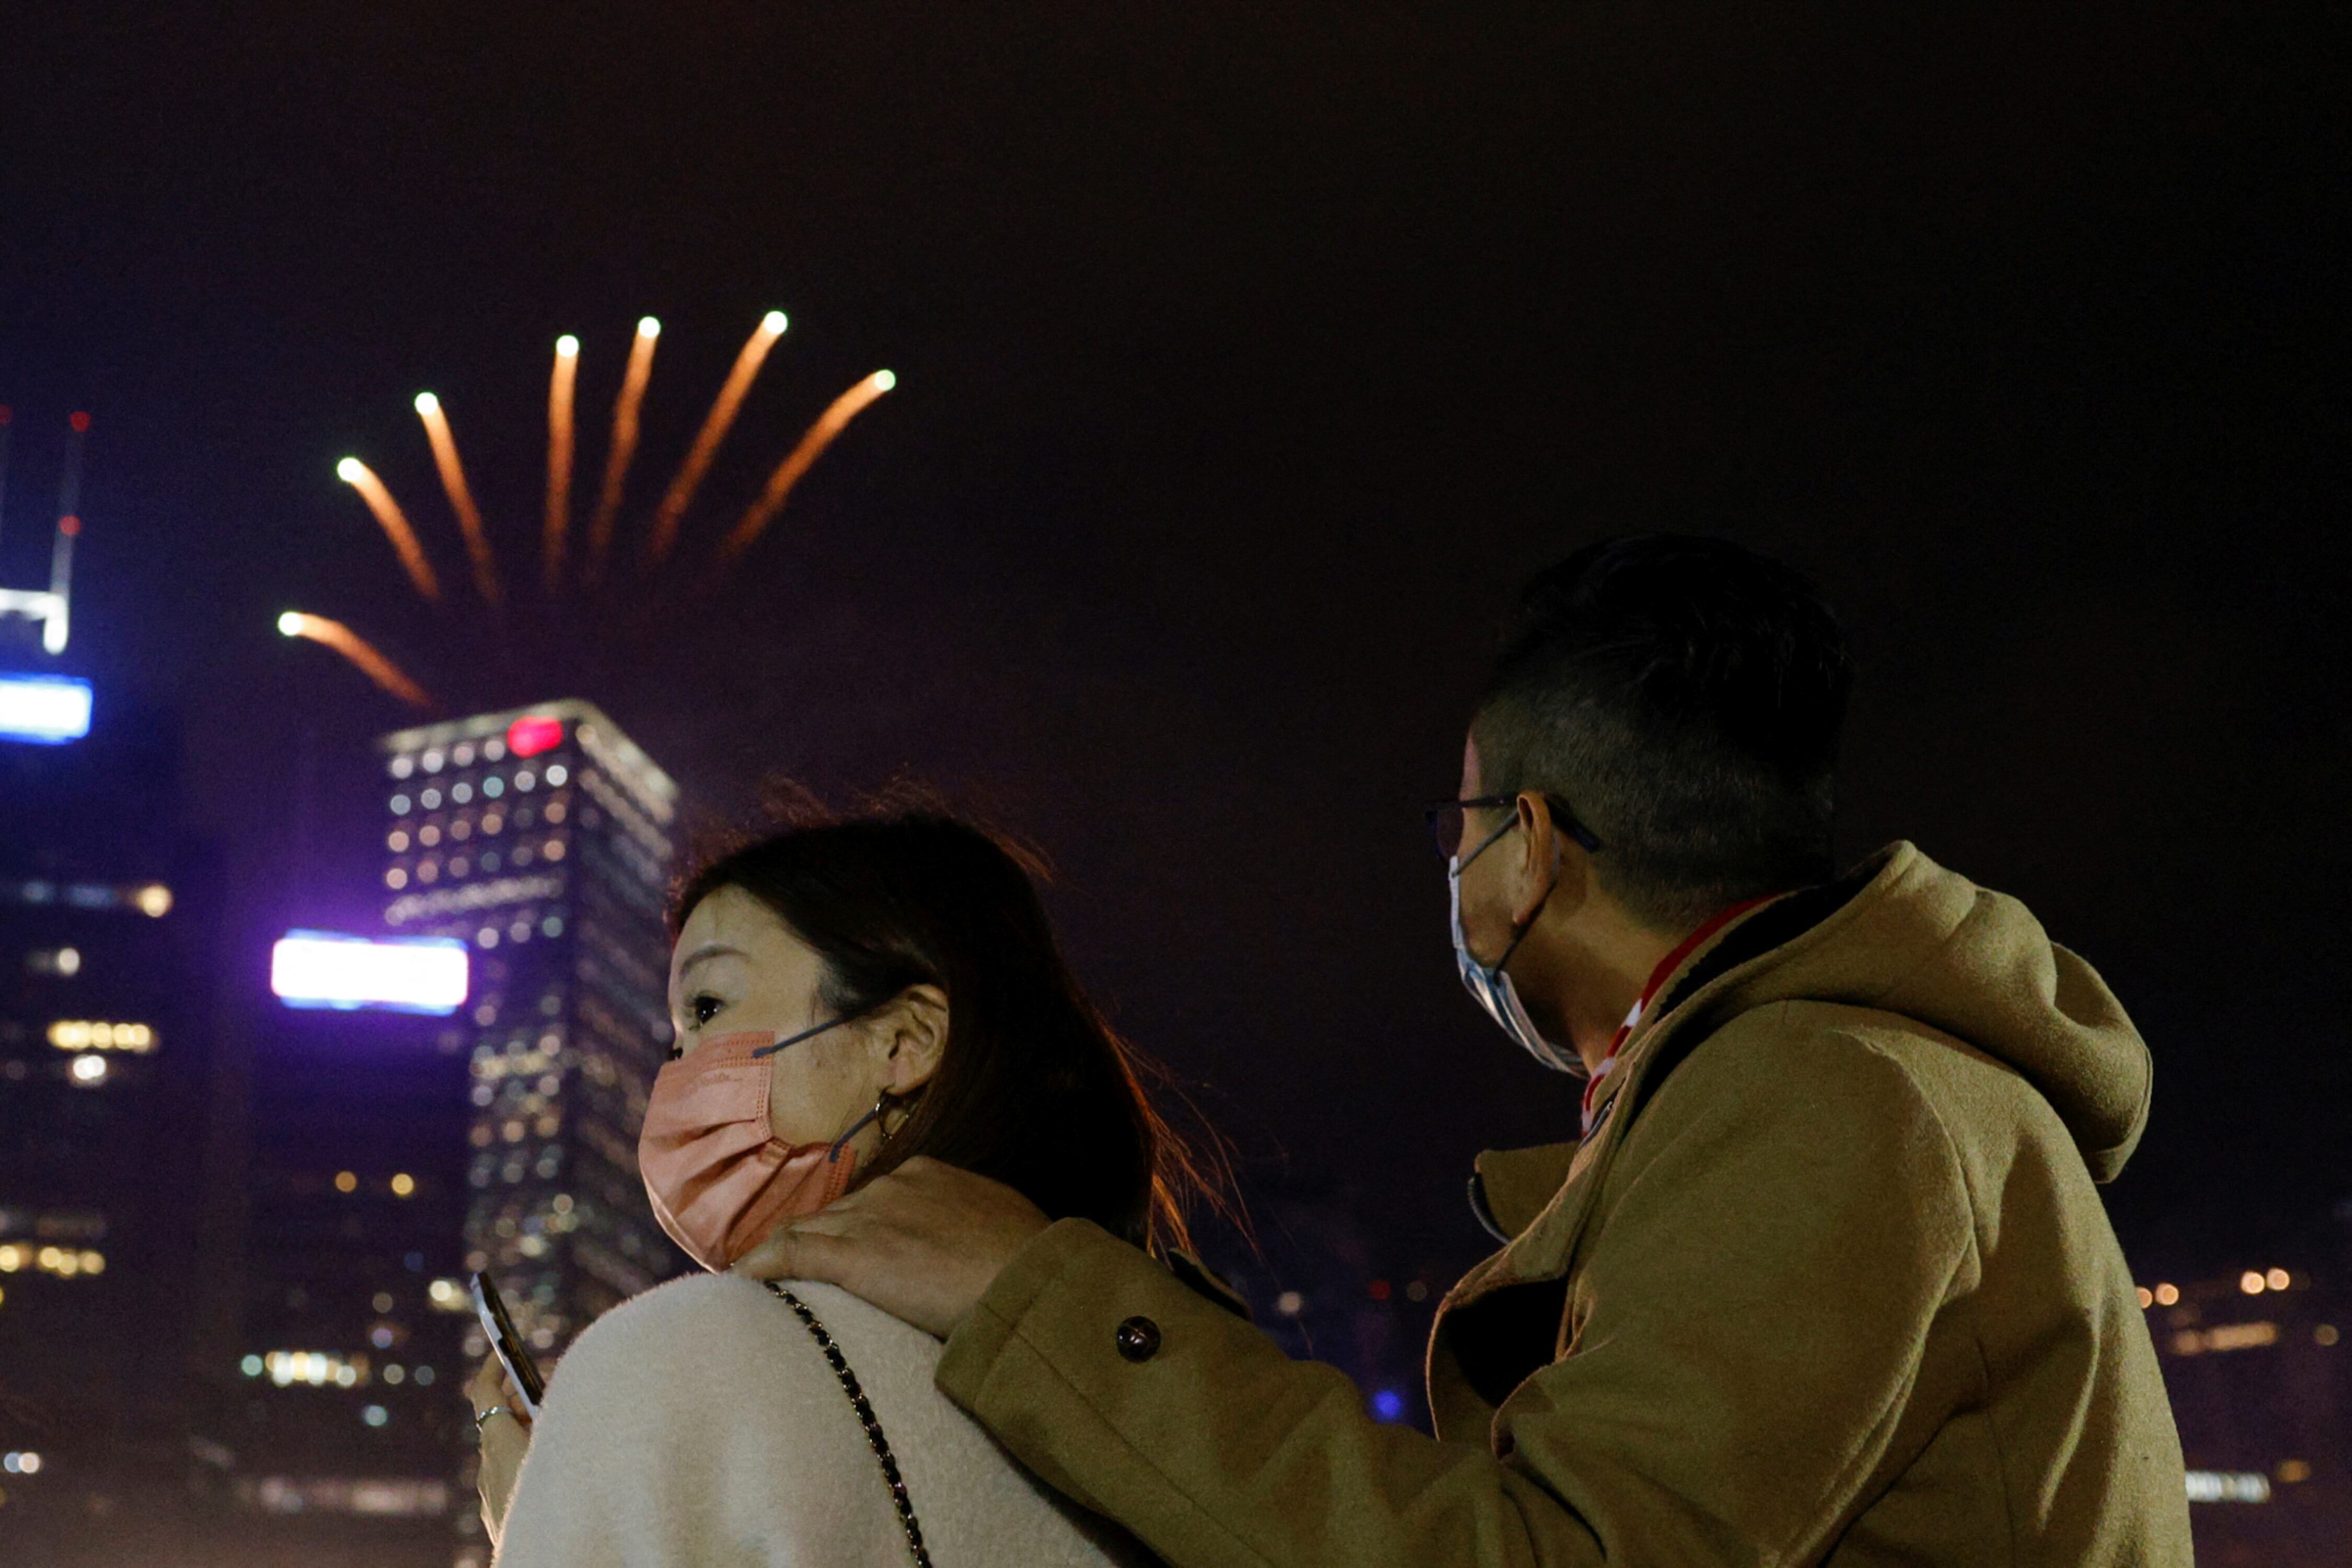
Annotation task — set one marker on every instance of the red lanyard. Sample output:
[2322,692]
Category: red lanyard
[1658,978]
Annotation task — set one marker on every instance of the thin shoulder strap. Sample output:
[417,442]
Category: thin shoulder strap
[866,1417]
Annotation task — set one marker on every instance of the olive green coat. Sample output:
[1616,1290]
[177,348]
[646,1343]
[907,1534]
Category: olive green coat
[1830,1282]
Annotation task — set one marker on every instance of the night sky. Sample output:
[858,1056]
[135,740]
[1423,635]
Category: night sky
[1248,356]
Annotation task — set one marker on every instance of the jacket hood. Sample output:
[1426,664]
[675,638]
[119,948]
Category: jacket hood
[1908,937]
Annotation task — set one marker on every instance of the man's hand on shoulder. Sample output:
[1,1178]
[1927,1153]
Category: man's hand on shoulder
[923,1243]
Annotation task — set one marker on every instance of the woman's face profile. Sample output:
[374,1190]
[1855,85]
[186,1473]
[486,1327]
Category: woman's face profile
[737,968]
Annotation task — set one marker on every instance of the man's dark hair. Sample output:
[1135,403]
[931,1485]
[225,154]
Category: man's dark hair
[1683,696]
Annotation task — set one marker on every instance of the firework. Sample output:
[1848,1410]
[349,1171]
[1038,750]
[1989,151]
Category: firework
[352,646]
[845,407]
[361,478]
[723,409]
[624,443]
[559,456]
[461,498]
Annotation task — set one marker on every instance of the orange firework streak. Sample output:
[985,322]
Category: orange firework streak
[558,456]
[461,499]
[361,478]
[624,443]
[845,407]
[354,647]
[715,424]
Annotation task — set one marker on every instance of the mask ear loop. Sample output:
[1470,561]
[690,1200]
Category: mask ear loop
[881,1103]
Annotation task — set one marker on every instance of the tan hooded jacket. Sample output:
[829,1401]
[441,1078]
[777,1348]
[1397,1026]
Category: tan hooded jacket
[1830,1282]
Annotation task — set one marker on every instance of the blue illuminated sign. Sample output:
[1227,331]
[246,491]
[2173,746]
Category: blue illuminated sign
[45,709]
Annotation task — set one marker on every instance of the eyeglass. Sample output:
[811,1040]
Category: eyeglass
[1448,821]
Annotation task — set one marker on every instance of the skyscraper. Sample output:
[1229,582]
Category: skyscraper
[541,837]
[107,966]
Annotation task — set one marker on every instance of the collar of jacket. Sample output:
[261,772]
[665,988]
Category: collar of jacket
[1524,1195]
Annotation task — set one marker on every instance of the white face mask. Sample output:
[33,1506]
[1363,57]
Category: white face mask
[1492,988]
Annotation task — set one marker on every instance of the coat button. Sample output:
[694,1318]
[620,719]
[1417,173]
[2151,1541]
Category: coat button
[1138,1339]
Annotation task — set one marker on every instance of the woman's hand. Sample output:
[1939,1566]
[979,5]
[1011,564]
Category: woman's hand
[923,1243]
[505,1438]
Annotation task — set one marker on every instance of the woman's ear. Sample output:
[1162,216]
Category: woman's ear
[914,1038]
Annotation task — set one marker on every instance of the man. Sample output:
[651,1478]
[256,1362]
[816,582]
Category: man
[1826,1278]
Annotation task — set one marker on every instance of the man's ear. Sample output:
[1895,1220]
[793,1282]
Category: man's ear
[1550,870]
[914,1038]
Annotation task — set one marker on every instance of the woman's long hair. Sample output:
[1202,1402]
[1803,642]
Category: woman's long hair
[1034,1089]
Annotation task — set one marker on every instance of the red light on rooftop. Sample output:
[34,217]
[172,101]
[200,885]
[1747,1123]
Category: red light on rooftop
[527,737]
[6,414]
[69,526]
[80,421]
[1379,1290]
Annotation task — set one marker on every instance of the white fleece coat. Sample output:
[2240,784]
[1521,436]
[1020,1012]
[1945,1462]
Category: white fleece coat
[700,1424]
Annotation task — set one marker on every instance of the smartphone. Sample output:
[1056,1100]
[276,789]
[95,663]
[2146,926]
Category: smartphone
[506,1345]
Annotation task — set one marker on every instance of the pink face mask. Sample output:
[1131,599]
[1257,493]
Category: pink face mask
[718,1177]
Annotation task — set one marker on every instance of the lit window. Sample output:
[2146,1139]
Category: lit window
[461,828]
[461,791]
[403,766]
[91,1034]
[1290,1303]
[433,761]
[556,811]
[392,1373]
[487,937]
[551,926]
[13,1257]
[396,878]
[430,799]
[398,841]
[2166,1295]
[552,850]
[2276,1280]
[154,901]
[346,1182]
[556,774]
[493,823]
[526,780]
[2146,1297]
[400,804]
[449,1296]
[2324,1335]
[493,749]
[462,755]
[89,1070]
[250,1367]
[403,1185]
[2293,1470]
[2252,1283]
[493,787]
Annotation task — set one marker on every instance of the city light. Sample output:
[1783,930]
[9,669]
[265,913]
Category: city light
[154,901]
[25,1462]
[404,974]
[402,1184]
[533,733]
[43,710]
[2228,1486]
[449,1296]
[64,1262]
[315,1369]
[2252,1283]
[86,1034]
[88,1071]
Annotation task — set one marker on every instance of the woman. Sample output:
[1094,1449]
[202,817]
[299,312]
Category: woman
[845,997]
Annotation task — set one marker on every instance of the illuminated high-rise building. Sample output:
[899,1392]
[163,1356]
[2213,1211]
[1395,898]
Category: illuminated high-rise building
[542,837]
